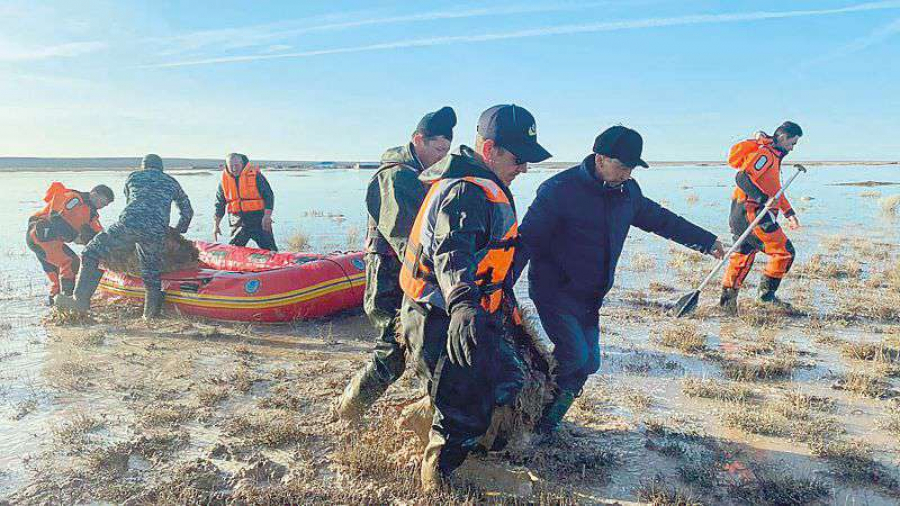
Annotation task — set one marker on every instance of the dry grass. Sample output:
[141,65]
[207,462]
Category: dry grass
[354,238]
[75,431]
[685,337]
[767,485]
[759,369]
[714,389]
[862,384]
[820,267]
[268,428]
[853,461]
[298,241]
[869,194]
[890,205]
[165,415]
[753,420]
[692,199]
[891,421]
[659,491]
[873,352]
[210,395]
[642,262]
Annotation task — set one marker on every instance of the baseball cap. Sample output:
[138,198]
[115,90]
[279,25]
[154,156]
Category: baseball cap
[513,128]
[621,143]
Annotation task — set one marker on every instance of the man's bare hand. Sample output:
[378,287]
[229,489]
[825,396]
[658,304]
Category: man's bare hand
[718,251]
[793,222]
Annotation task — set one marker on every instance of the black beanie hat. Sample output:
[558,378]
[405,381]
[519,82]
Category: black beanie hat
[440,122]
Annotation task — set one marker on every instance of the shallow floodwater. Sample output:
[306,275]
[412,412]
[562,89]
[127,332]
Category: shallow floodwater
[327,206]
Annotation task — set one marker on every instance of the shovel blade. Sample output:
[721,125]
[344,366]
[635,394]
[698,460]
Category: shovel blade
[686,304]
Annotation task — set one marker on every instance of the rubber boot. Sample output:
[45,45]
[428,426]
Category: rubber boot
[767,288]
[728,300]
[554,413]
[364,389]
[88,279]
[153,302]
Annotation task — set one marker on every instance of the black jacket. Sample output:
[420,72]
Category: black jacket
[574,231]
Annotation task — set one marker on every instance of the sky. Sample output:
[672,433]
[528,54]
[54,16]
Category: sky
[344,80]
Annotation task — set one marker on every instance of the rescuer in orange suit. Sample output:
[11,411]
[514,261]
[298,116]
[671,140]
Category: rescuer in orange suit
[68,216]
[758,161]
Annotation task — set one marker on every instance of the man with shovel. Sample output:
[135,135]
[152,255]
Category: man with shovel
[573,233]
[758,162]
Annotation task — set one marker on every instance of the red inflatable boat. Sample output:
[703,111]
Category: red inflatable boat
[249,284]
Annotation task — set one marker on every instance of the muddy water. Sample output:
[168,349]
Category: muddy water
[327,207]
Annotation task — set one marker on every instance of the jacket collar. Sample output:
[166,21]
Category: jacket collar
[464,162]
[588,172]
[403,155]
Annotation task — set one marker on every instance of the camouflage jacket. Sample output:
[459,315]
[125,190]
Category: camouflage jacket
[150,194]
[393,198]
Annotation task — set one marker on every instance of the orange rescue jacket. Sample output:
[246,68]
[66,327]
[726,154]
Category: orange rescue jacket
[494,260]
[761,161]
[68,214]
[242,196]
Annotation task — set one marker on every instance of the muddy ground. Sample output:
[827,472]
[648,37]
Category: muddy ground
[772,407]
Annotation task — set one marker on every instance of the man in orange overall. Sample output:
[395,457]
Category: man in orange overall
[68,216]
[758,162]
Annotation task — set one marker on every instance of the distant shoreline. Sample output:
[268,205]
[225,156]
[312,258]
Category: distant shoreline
[27,164]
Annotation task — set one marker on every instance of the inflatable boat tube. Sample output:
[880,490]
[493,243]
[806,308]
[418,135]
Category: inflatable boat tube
[253,285]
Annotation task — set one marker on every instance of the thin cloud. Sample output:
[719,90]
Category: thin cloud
[12,53]
[698,19]
[875,37]
[236,38]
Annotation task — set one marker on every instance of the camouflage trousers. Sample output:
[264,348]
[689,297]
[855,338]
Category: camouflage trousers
[148,241]
[381,303]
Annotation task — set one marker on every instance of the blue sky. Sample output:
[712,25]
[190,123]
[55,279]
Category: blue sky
[318,80]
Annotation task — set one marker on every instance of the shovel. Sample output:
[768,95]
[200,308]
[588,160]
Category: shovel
[688,302]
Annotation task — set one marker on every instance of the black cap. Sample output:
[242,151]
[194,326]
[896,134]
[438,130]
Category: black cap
[440,122]
[621,143]
[513,128]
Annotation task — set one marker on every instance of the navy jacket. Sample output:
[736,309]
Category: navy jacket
[574,231]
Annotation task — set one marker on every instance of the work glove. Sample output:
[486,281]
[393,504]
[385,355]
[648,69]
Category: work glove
[467,323]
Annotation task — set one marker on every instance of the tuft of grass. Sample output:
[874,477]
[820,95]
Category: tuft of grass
[766,485]
[714,389]
[819,267]
[298,241]
[271,429]
[659,491]
[873,352]
[862,384]
[75,431]
[753,420]
[853,461]
[685,337]
[354,237]
[890,205]
[760,369]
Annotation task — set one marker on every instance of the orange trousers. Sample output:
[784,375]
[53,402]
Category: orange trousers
[58,260]
[767,237]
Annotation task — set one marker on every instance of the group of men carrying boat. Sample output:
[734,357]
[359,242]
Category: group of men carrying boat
[443,250]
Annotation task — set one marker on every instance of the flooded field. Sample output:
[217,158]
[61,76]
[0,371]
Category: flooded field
[766,408]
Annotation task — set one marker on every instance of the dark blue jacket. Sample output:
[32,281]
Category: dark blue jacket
[574,231]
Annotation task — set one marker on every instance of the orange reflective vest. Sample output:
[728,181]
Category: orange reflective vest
[67,212]
[494,261]
[761,161]
[242,195]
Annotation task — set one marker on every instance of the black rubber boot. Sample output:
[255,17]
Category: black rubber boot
[767,288]
[364,389]
[728,300]
[88,279]
[153,302]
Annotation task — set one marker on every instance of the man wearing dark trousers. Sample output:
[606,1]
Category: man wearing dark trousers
[573,234]
[247,196]
[393,198]
[457,262]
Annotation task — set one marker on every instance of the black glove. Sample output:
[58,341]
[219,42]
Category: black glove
[467,322]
